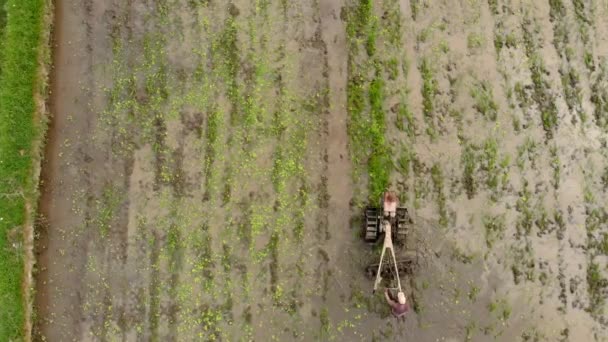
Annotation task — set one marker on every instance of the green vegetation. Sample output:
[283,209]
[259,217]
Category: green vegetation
[597,287]
[527,152]
[604,178]
[557,10]
[490,163]
[495,229]
[415,8]
[19,127]
[366,97]
[493,6]
[438,185]
[525,222]
[556,166]
[473,293]
[469,162]
[2,27]
[484,100]
[599,97]
[250,127]
[429,90]
[392,67]
[107,209]
[501,308]
[405,120]
[475,41]
[487,159]
[502,40]
[541,94]
[569,76]
[380,165]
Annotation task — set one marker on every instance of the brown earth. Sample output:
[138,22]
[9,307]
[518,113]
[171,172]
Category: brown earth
[197,181]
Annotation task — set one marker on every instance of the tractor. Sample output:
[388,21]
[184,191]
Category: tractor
[393,222]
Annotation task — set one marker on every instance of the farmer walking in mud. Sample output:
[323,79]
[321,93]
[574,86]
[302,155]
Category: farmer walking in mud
[400,307]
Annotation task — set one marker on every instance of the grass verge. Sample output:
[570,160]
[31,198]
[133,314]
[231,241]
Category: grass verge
[22,88]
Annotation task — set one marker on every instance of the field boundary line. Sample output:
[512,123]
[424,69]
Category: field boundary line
[41,118]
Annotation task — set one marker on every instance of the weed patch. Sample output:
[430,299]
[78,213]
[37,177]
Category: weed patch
[475,41]
[495,229]
[484,100]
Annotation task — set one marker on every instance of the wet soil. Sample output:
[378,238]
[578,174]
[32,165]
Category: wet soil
[197,181]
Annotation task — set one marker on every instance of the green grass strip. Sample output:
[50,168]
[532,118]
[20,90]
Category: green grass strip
[365,99]
[2,26]
[380,164]
[18,84]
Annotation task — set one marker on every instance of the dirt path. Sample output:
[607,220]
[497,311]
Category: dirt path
[59,280]
[339,168]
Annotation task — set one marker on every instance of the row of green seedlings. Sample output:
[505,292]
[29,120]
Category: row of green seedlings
[501,310]
[597,245]
[222,77]
[156,90]
[531,214]
[429,91]
[188,253]
[503,39]
[371,77]
[583,14]
[247,118]
[156,94]
[408,164]
[396,67]
[255,109]
[117,119]
[481,90]
[396,64]
[484,159]
[599,94]
[541,88]
[366,94]
[133,119]
[225,57]
[570,77]
[290,129]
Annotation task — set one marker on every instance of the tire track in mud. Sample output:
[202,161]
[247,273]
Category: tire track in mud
[335,193]
[338,182]
[110,209]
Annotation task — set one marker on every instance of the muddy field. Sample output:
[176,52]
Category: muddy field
[208,162]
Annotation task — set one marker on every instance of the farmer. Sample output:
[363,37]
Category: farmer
[390,204]
[399,307]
